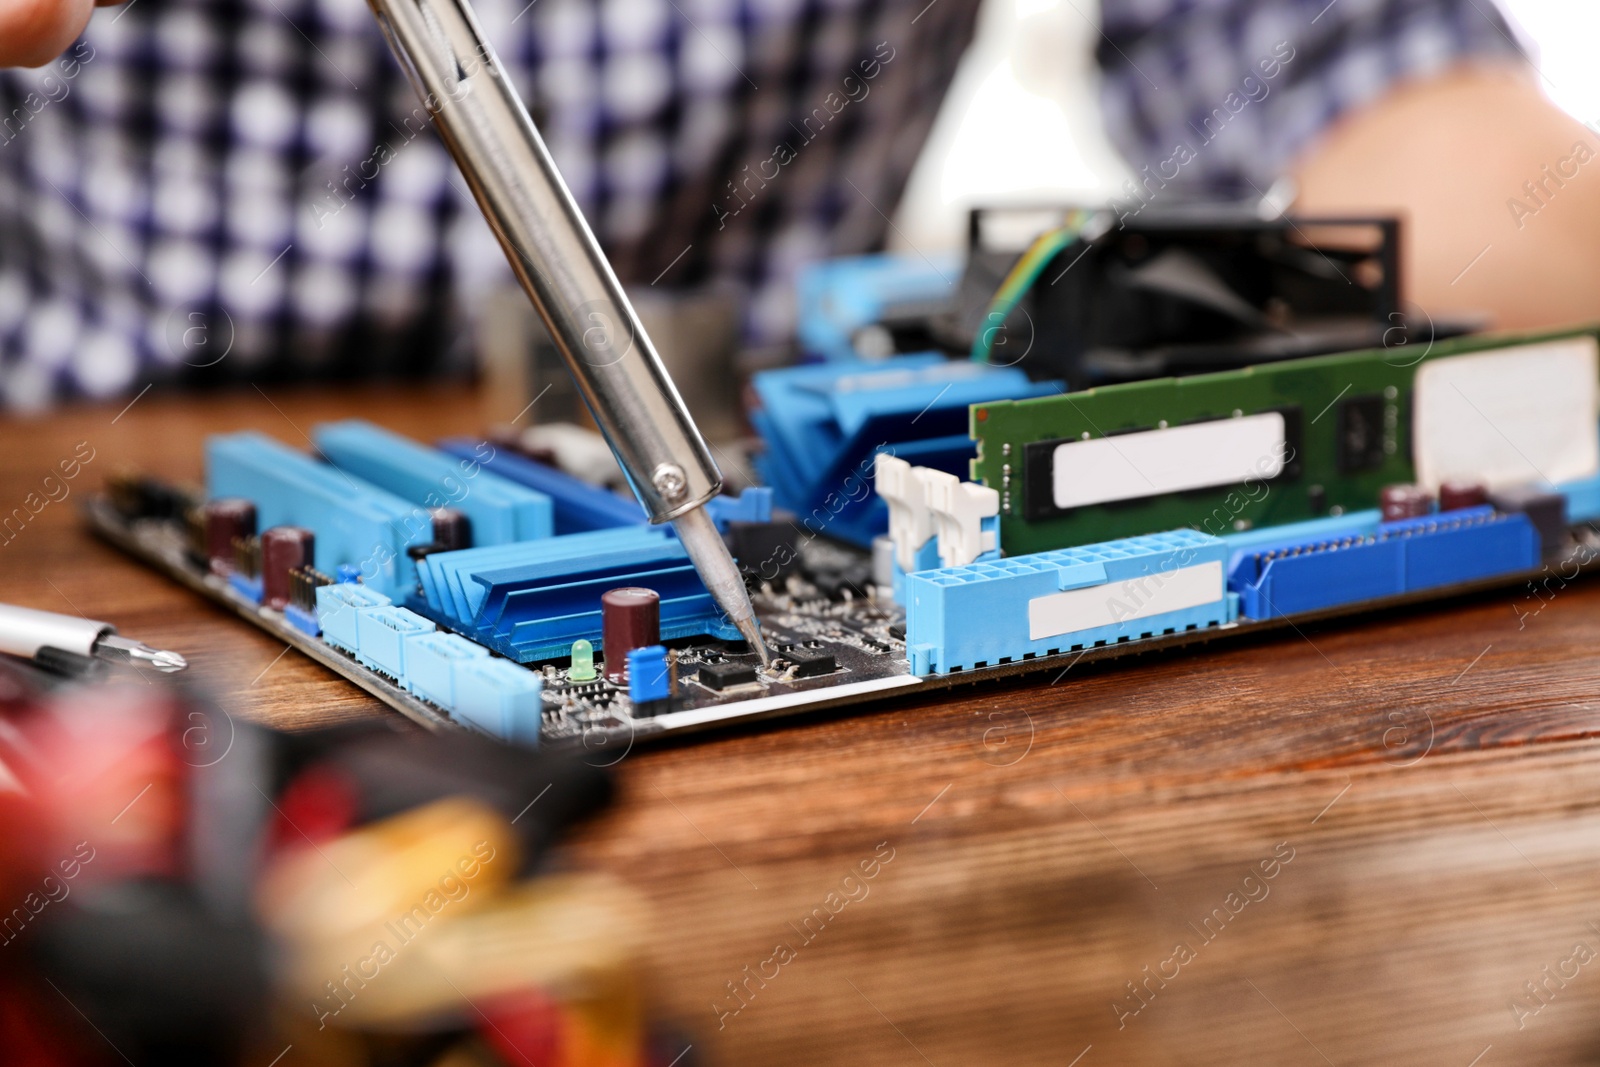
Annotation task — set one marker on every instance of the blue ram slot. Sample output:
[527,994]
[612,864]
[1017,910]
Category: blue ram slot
[958,618]
[530,601]
[381,636]
[355,523]
[500,511]
[578,506]
[337,607]
[433,660]
[1295,576]
[500,698]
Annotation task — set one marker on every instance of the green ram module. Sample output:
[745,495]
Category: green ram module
[1283,442]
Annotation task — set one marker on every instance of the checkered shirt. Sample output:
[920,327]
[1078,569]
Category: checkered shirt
[214,190]
[1193,73]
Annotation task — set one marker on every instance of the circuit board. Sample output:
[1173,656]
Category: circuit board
[863,635]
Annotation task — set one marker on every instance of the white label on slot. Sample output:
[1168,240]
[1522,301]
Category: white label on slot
[1137,598]
[1201,455]
[1510,416]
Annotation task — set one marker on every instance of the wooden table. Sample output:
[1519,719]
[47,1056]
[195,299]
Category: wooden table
[1423,788]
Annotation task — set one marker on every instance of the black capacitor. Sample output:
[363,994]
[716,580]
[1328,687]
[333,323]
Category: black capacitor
[1397,502]
[630,618]
[1454,496]
[451,529]
[225,520]
[283,549]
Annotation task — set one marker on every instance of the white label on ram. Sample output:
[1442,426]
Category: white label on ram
[1510,416]
[1201,455]
[1077,610]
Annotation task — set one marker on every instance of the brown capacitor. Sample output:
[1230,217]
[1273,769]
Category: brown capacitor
[283,549]
[1454,496]
[451,529]
[1397,502]
[225,520]
[630,618]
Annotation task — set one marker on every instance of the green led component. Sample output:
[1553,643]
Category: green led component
[582,669]
[1347,431]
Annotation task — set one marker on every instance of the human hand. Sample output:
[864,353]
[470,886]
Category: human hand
[33,32]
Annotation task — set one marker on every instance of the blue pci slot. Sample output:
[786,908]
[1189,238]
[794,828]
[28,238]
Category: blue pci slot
[579,506]
[1292,576]
[355,523]
[531,600]
[500,511]
[983,614]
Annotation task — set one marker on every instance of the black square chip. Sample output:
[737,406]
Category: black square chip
[1360,434]
[723,675]
[809,664]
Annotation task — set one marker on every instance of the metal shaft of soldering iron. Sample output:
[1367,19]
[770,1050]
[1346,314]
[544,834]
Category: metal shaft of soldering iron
[484,124]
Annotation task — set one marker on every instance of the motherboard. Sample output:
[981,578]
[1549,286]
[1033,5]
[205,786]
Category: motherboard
[466,585]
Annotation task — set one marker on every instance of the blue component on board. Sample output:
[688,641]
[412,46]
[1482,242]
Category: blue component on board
[500,511]
[500,698]
[302,620]
[337,607]
[578,506]
[531,600]
[356,524]
[381,635]
[1296,575]
[649,674]
[836,298]
[823,424]
[959,618]
[752,505]
[432,662]
[246,586]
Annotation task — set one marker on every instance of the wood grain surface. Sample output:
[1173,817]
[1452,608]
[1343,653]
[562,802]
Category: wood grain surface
[1422,787]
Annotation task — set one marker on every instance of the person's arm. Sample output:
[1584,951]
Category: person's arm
[1500,190]
[33,32]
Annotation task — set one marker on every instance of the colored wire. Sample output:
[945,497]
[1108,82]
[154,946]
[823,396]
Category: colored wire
[1021,278]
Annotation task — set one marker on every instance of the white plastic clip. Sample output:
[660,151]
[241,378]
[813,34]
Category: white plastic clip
[959,509]
[910,523]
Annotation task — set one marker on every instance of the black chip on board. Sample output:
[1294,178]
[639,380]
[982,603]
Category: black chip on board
[809,664]
[723,675]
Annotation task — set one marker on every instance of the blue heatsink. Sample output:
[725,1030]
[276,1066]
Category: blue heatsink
[822,426]
[1291,576]
[983,614]
[500,511]
[531,600]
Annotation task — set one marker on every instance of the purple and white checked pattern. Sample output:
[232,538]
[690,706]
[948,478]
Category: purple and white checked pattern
[253,177]
[1169,64]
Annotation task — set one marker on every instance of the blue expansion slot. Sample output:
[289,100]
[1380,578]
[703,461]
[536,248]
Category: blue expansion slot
[960,618]
[823,424]
[355,523]
[1293,576]
[493,695]
[337,607]
[500,698]
[381,635]
[500,511]
[531,600]
[579,506]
